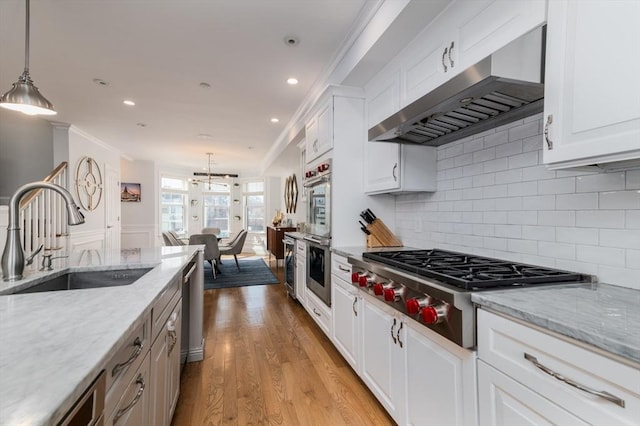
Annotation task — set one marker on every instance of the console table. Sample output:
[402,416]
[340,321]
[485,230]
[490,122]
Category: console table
[274,241]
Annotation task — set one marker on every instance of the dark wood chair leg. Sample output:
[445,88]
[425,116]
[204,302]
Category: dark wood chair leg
[237,264]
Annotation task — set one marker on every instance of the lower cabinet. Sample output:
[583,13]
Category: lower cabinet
[347,310]
[528,375]
[133,407]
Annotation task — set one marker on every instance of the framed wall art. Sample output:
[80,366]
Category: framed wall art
[130,192]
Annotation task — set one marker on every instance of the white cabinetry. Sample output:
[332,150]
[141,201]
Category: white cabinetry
[133,407]
[347,307]
[592,101]
[319,131]
[395,168]
[555,379]
[301,271]
[320,312]
[384,356]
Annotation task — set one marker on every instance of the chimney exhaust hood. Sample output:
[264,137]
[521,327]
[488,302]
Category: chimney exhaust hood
[503,87]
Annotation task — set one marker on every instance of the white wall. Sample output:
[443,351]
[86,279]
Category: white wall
[496,198]
[26,151]
[140,219]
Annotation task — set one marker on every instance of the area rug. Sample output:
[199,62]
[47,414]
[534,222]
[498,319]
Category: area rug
[252,272]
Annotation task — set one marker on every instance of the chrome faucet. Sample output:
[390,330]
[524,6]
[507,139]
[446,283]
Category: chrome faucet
[13,261]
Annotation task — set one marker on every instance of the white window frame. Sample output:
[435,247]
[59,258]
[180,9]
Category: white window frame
[205,193]
[185,198]
[245,194]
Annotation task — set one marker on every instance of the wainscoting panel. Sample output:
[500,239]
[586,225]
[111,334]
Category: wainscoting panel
[139,236]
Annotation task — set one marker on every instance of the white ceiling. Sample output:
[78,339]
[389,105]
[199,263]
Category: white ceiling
[157,52]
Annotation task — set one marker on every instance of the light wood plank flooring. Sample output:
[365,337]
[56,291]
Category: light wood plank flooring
[266,362]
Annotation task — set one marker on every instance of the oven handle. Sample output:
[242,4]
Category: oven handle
[316,240]
[318,179]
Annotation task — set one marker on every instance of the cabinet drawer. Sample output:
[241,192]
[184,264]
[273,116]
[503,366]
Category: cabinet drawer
[504,343]
[161,308]
[125,362]
[340,267]
[319,312]
[132,408]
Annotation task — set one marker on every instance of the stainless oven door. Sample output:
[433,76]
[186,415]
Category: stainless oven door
[319,206]
[290,266]
[319,270]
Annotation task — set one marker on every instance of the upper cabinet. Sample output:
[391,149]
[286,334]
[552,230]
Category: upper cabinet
[319,131]
[592,89]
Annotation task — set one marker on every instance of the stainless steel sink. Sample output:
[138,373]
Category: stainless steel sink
[89,279]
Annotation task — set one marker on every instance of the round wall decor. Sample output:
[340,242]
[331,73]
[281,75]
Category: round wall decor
[88,183]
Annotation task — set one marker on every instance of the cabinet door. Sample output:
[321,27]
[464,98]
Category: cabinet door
[311,140]
[505,402]
[174,362]
[346,306]
[592,106]
[383,98]
[432,359]
[133,407]
[383,358]
[382,167]
[325,128]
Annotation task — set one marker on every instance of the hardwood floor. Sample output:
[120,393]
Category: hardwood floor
[267,362]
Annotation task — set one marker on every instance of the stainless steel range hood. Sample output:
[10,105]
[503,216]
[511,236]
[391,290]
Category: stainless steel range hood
[501,88]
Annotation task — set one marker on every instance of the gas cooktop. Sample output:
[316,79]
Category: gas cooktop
[470,272]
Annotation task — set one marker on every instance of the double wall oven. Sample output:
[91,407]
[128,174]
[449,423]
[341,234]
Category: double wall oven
[318,236]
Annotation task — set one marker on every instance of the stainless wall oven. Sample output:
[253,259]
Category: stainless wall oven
[319,268]
[318,187]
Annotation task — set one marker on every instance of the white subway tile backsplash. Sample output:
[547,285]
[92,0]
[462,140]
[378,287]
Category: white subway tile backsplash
[523,160]
[557,218]
[497,138]
[523,131]
[522,218]
[539,233]
[496,198]
[600,182]
[632,220]
[600,255]
[508,231]
[600,218]
[557,186]
[633,179]
[586,201]
[624,238]
[539,202]
[484,155]
[509,149]
[523,188]
[620,200]
[577,235]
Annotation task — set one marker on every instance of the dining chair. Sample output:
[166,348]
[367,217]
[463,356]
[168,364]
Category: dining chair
[211,249]
[210,230]
[235,247]
[176,239]
[168,241]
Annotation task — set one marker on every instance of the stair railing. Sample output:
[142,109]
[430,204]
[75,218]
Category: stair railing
[43,215]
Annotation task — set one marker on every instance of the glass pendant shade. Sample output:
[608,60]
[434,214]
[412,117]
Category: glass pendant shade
[24,96]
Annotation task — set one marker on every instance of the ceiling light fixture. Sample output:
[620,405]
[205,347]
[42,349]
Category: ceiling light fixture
[129,102]
[292,81]
[210,175]
[24,96]
[274,120]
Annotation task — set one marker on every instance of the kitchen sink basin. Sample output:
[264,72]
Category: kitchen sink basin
[89,279]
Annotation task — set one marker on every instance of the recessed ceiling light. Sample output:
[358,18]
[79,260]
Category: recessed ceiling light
[205,136]
[100,82]
[274,120]
[292,81]
[128,102]
[141,125]
[249,148]
[291,40]
[204,85]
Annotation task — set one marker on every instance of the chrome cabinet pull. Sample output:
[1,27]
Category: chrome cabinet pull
[316,312]
[342,268]
[393,172]
[444,53]
[355,300]
[134,355]
[546,131]
[171,327]
[398,333]
[601,394]
[392,335]
[122,411]
[450,52]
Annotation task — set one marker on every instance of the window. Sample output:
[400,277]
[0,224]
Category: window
[217,197]
[173,205]
[253,195]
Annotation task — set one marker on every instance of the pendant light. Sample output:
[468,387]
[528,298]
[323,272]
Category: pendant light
[209,154]
[24,96]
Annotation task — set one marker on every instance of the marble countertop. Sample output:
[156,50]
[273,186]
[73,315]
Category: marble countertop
[605,316]
[54,343]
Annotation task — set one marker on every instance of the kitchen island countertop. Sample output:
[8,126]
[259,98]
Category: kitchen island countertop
[54,343]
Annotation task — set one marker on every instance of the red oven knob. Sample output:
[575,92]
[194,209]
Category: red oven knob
[414,304]
[364,281]
[323,167]
[392,294]
[378,288]
[434,314]
[355,276]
